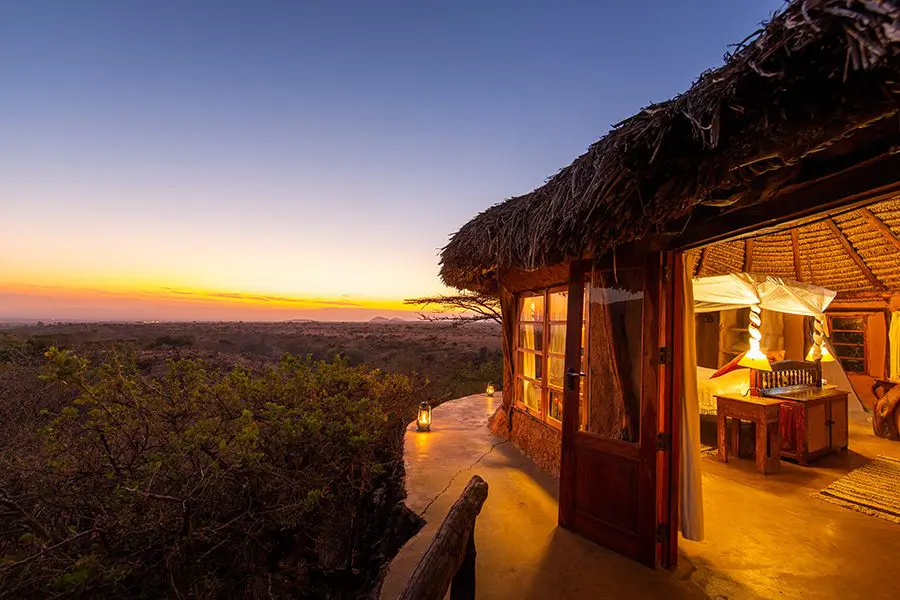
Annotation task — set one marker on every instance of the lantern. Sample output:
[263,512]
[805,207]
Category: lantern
[423,421]
[754,357]
[490,389]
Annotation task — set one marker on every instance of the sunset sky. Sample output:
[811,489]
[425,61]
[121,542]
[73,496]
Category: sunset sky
[174,160]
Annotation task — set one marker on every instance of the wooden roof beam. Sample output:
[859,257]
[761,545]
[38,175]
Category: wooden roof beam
[881,226]
[748,255]
[795,246]
[701,262]
[869,275]
[866,182]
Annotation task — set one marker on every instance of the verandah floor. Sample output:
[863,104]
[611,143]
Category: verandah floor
[766,536]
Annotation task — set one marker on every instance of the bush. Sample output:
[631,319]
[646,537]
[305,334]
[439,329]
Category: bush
[205,483]
[171,341]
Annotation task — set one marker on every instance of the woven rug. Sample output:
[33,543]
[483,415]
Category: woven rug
[873,489]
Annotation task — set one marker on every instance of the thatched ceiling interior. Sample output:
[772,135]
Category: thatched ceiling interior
[855,252]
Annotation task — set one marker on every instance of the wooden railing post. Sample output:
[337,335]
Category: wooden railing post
[463,585]
[450,557]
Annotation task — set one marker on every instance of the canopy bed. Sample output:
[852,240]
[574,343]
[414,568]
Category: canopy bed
[811,415]
[769,294]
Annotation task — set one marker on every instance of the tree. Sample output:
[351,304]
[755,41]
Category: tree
[465,307]
[283,481]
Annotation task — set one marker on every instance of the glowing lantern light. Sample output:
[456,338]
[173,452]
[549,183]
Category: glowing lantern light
[754,357]
[423,421]
[490,389]
[818,350]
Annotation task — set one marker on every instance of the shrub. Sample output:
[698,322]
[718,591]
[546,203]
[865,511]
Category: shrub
[205,482]
[171,341]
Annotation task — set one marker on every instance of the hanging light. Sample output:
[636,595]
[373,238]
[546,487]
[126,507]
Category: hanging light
[819,349]
[489,390]
[423,420]
[754,357]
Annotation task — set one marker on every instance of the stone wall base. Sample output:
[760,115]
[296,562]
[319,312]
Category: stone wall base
[537,440]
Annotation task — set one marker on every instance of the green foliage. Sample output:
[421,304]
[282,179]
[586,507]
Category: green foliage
[171,341]
[203,482]
[471,378]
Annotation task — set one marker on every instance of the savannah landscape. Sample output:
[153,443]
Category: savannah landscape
[220,220]
[216,459]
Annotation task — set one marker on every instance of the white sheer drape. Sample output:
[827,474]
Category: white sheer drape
[771,293]
[894,344]
[691,488]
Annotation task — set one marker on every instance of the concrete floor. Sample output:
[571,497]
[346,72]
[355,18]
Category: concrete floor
[766,536]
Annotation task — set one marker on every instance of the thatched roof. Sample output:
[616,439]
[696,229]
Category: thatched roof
[854,252]
[808,79]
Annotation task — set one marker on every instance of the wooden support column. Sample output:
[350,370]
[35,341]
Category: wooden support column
[848,247]
[508,341]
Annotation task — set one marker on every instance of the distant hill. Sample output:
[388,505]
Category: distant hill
[386,320]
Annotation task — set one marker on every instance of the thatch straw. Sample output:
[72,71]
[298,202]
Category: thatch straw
[814,73]
[823,259]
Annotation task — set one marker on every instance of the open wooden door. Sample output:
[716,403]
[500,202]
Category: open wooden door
[616,383]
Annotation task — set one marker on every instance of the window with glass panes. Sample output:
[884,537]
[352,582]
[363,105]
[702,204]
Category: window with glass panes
[848,338]
[541,353]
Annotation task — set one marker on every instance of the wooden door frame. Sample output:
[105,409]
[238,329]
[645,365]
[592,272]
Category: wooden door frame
[668,478]
[658,409]
[577,270]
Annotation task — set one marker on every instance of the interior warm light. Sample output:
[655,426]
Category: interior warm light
[754,357]
[824,353]
[423,420]
[489,390]
[819,349]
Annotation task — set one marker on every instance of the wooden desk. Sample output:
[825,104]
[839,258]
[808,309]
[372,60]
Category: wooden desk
[813,421]
[765,414]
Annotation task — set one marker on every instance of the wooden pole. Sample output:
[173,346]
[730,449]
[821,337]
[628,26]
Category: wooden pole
[451,555]
[463,585]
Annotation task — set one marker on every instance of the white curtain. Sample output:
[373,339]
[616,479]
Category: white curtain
[691,488]
[894,344]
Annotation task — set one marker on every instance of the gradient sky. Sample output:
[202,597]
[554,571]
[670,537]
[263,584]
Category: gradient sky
[273,160]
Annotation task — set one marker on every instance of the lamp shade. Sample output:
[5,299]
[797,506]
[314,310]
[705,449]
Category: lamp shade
[819,349]
[755,359]
[826,354]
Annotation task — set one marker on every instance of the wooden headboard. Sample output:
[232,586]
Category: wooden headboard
[787,373]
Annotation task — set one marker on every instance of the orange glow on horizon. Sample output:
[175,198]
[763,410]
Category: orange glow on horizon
[134,302]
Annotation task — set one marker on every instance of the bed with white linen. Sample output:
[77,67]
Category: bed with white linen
[733,382]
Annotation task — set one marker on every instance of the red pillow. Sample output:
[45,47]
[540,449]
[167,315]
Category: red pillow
[772,355]
[731,366]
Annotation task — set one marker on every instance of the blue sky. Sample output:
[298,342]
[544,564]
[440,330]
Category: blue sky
[306,149]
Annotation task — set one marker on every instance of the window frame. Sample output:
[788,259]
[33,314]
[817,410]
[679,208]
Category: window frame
[544,355]
[538,354]
[864,317]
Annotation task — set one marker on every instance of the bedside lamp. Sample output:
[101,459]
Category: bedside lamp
[754,357]
[818,350]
